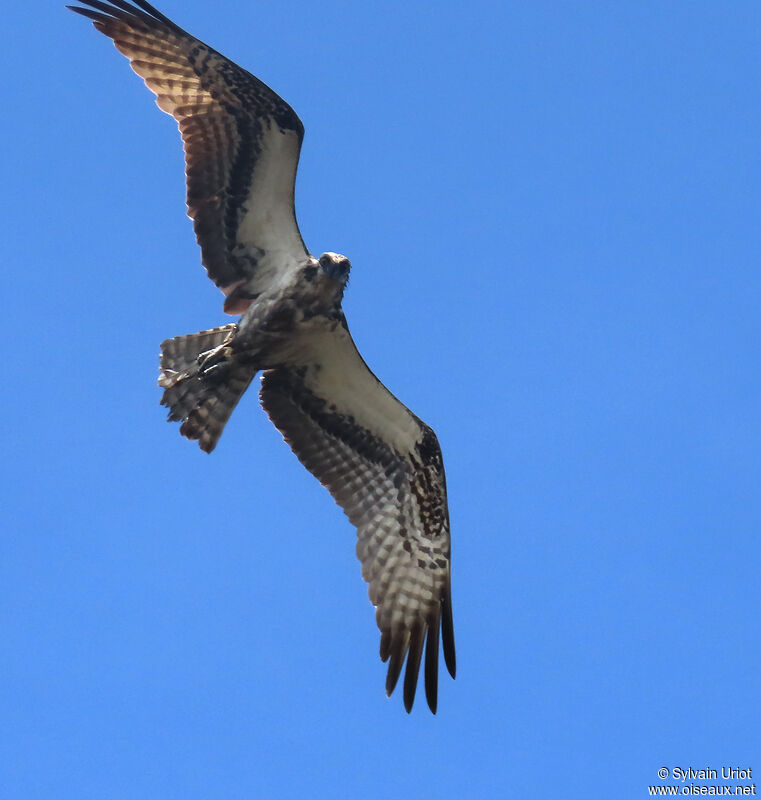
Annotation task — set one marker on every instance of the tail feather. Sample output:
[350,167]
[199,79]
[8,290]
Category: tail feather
[202,398]
[180,354]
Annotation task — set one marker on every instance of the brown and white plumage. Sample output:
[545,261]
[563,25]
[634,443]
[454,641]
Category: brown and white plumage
[242,145]
[382,464]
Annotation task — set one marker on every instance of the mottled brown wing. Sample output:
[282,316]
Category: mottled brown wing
[242,145]
[397,501]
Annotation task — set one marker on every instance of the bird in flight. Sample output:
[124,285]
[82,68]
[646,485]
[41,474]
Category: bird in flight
[381,463]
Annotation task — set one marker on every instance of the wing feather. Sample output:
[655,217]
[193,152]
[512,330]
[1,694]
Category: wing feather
[242,144]
[339,419]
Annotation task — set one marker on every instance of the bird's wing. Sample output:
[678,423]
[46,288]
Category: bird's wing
[242,145]
[383,466]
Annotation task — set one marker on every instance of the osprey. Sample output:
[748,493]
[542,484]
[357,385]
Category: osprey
[380,462]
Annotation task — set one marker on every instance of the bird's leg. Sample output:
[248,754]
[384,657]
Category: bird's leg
[214,365]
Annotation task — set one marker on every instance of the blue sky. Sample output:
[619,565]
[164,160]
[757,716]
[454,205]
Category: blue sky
[552,210]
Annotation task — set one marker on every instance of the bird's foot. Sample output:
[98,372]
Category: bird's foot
[214,365]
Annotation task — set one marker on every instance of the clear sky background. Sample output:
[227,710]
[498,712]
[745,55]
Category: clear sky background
[553,213]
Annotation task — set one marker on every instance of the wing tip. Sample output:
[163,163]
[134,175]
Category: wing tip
[408,645]
[432,664]
[94,16]
[447,634]
[139,13]
[414,656]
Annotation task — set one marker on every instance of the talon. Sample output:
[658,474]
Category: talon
[214,364]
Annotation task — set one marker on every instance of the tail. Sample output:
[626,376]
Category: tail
[202,383]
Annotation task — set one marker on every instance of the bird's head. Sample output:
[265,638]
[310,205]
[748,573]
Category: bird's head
[333,270]
[335,266]
[326,278]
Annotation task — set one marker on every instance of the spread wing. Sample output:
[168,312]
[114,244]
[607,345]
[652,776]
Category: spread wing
[383,466]
[242,145]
